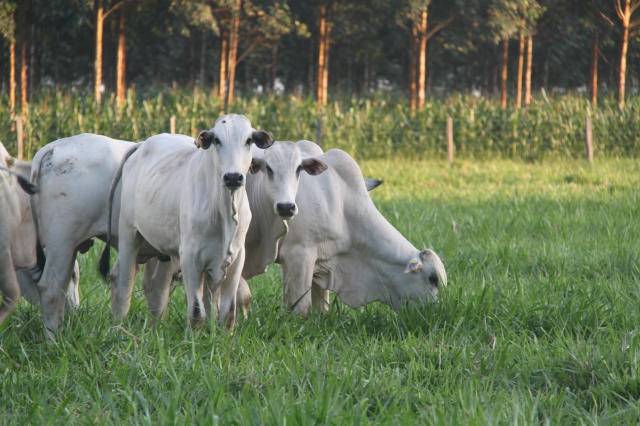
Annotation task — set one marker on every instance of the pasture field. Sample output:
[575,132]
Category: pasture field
[540,323]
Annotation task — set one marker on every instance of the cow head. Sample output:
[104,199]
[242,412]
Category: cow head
[282,165]
[231,138]
[428,269]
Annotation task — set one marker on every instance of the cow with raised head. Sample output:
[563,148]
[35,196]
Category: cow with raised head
[188,200]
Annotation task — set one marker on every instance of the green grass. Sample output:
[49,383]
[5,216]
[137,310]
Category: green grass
[539,324]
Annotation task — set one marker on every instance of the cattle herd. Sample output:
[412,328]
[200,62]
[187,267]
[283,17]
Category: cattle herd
[219,210]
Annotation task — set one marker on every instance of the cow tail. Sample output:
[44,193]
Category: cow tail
[41,258]
[105,258]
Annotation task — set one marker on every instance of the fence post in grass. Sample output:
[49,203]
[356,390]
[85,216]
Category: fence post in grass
[319,130]
[450,146]
[172,125]
[589,139]
[20,137]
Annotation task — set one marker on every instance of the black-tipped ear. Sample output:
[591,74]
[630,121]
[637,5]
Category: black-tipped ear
[256,165]
[262,139]
[313,166]
[204,139]
[372,183]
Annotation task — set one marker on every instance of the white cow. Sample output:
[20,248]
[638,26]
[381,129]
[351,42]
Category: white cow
[271,188]
[190,202]
[73,175]
[18,238]
[339,241]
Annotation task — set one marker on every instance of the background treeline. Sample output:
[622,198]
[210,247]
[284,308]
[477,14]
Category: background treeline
[371,76]
[365,44]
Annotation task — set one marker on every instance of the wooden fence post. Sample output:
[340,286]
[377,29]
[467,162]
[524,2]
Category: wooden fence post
[319,123]
[450,146]
[20,137]
[589,139]
[172,125]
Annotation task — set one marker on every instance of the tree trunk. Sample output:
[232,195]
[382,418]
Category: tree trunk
[233,50]
[519,76]
[503,74]
[325,71]
[527,75]
[413,76]
[626,17]
[224,51]
[98,59]
[594,70]
[422,61]
[12,68]
[321,57]
[121,63]
[23,77]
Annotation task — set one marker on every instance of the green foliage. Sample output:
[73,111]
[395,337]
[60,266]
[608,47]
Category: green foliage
[365,127]
[539,323]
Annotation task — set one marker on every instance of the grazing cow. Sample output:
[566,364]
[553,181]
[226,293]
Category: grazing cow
[187,201]
[341,242]
[73,176]
[18,237]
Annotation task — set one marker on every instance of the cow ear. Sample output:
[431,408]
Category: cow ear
[426,255]
[372,183]
[204,139]
[262,139]
[414,265]
[313,166]
[256,165]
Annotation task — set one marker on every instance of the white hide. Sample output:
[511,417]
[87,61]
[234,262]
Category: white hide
[340,242]
[177,201]
[73,175]
[18,239]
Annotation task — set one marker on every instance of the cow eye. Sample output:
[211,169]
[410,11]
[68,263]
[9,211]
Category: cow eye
[269,171]
[217,141]
[249,141]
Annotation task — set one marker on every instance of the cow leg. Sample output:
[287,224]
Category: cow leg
[319,298]
[128,247]
[54,283]
[9,286]
[297,276]
[193,286]
[156,283]
[211,297]
[228,292]
[243,297]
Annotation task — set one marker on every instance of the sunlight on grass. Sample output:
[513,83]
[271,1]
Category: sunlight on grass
[540,322]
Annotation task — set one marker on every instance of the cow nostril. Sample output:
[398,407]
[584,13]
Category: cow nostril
[233,180]
[286,209]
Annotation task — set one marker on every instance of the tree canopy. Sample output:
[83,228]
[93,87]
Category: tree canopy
[178,42]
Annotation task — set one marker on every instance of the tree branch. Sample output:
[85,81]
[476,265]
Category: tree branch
[606,18]
[634,7]
[114,8]
[618,6]
[439,26]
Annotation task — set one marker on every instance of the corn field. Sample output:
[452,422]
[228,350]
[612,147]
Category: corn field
[373,127]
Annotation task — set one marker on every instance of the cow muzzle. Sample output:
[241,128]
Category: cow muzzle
[286,210]
[233,180]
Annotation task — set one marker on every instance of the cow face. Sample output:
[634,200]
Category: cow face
[231,138]
[282,165]
[429,270]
